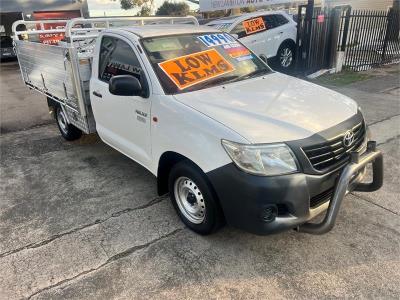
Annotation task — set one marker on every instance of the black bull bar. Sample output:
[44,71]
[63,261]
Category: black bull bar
[348,182]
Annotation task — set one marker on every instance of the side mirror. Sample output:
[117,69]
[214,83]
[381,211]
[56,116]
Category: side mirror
[125,85]
[263,58]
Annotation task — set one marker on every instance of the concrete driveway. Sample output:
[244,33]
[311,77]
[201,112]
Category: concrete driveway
[78,220]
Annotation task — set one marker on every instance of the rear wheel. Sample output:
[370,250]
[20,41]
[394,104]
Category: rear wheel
[68,131]
[285,56]
[194,199]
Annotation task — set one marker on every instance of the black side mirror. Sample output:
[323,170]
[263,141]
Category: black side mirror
[125,85]
[263,58]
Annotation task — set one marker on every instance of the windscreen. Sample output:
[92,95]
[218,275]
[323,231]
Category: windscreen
[192,62]
[220,26]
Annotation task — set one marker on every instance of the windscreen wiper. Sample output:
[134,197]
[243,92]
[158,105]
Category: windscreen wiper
[217,81]
[255,73]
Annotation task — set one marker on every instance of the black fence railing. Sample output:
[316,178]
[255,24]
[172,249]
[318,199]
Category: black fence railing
[369,38]
[317,32]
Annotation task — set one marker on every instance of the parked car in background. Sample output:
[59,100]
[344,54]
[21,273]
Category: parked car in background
[269,34]
[6,48]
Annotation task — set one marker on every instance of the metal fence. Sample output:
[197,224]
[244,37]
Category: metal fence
[317,32]
[369,38]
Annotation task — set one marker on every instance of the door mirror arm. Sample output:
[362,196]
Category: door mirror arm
[145,85]
[263,58]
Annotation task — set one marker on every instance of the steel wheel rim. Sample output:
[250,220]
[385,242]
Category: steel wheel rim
[62,121]
[190,200]
[286,57]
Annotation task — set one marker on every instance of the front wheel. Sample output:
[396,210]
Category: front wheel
[194,199]
[68,131]
[285,56]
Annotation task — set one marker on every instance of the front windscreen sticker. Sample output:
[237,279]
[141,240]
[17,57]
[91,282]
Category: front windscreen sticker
[197,67]
[236,52]
[216,39]
[254,25]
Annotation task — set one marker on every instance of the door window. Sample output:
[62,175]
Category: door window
[249,27]
[281,20]
[273,21]
[117,58]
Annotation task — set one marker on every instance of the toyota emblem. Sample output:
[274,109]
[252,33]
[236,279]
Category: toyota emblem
[348,138]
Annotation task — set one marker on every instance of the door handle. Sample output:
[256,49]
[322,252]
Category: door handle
[97,94]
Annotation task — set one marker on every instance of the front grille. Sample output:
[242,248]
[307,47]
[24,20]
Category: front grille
[333,152]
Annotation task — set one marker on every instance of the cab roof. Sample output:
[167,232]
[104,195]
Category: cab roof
[166,29]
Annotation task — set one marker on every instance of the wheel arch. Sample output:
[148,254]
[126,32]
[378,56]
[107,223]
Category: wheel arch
[167,160]
[288,41]
[52,104]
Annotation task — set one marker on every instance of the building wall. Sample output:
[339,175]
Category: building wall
[38,5]
[362,4]
[7,19]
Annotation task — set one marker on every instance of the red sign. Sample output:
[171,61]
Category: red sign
[320,18]
[54,38]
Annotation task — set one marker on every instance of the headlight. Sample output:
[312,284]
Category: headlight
[266,160]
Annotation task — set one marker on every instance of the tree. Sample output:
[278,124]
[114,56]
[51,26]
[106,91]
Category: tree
[128,4]
[173,9]
[145,11]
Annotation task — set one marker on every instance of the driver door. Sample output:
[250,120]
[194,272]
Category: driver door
[121,121]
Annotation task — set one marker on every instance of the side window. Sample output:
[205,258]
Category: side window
[117,58]
[249,27]
[270,21]
[281,20]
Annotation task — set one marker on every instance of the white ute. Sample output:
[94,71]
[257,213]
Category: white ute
[229,139]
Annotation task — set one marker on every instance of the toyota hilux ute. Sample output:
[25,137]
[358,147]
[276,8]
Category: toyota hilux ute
[229,139]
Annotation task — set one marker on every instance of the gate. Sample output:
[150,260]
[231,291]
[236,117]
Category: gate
[369,38]
[317,33]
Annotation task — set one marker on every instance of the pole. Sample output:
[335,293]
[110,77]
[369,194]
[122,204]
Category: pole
[308,27]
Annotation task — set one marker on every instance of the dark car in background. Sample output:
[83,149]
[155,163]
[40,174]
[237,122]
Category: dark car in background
[6,48]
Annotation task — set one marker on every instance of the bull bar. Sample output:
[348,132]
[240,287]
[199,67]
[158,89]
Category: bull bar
[348,182]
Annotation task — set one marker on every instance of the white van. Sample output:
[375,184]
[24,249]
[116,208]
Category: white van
[269,34]
[229,139]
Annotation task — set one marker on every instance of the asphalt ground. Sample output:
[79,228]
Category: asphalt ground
[79,220]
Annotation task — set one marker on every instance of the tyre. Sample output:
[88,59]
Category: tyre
[194,199]
[68,131]
[285,57]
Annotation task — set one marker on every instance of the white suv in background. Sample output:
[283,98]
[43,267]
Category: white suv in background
[269,34]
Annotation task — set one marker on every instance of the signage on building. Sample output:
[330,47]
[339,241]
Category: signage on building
[211,5]
[54,38]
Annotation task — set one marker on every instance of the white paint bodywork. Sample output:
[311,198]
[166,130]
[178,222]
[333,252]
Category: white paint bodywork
[273,108]
[266,42]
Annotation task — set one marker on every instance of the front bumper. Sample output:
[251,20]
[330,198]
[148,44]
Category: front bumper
[264,205]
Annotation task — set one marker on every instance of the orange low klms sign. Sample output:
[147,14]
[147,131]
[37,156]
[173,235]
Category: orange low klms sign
[191,69]
[254,25]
